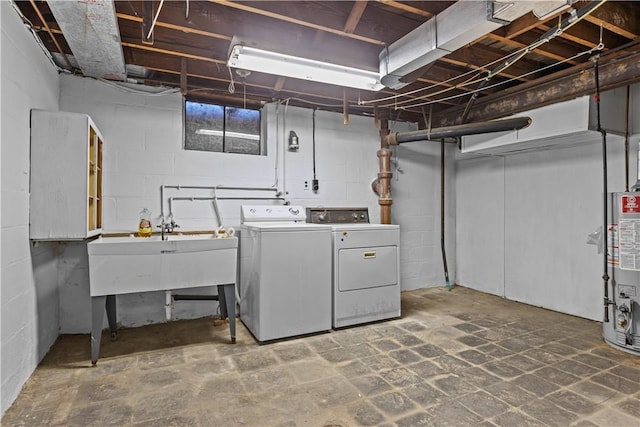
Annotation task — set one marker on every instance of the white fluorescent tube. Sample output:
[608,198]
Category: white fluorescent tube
[263,61]
[227,133]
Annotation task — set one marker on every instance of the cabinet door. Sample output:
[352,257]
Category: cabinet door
[94,202]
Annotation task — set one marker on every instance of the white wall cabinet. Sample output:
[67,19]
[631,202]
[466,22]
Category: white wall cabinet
[66,176]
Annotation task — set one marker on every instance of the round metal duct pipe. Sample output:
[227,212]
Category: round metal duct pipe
[515,123]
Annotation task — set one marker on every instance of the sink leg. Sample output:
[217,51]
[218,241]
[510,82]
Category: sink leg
[227,301]
[97,317]
[111,316]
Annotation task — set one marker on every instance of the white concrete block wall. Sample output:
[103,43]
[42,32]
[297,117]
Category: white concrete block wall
[29,294]
[143,150]
[480,223]
[523,220]
[416,207]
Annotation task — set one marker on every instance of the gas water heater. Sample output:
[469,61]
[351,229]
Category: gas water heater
[623,253]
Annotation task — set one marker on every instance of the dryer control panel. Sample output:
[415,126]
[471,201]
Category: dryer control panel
[338,215]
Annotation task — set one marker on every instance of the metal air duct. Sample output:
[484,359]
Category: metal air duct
[454,27]
[91,30]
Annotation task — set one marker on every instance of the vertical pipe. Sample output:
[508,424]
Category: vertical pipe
[442,217]
[384,175]
[345,107]
[384,185]
[626,141]
[162,203]
[605,201]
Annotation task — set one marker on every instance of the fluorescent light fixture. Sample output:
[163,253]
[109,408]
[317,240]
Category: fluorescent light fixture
[215,132]
[263,61]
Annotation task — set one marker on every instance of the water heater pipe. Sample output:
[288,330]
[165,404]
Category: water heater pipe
[626,140]
[605,196]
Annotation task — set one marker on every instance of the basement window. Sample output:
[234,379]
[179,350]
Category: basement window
[221,129]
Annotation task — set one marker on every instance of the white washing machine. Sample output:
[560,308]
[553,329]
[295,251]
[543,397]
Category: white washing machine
[366,266]
[285,277]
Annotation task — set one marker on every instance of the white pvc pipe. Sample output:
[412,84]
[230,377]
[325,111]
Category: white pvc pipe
[168,305]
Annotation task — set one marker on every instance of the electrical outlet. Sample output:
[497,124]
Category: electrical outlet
[306,185]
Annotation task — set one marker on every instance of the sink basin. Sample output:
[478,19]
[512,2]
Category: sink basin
[120,265]
[155,244]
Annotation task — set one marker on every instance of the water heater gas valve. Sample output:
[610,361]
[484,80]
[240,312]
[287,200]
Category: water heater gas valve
[624,306]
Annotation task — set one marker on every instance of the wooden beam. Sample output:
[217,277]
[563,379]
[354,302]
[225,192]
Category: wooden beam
[622,18]
[55,41]
[407,8]
[519,26]
[291,20]
[588,35]
[354,16]
[172,52]
[540,51]
[175,27]
[616,70]
[477,56]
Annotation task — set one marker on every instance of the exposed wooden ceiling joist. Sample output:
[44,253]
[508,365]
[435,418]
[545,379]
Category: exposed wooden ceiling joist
[616,70]
[190,51]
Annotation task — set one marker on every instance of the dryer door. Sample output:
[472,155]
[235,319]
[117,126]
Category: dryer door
[372,267]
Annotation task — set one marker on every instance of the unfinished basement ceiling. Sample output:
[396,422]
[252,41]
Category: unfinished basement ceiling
[189,46]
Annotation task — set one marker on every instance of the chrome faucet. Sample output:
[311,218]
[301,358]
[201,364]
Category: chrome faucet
[167,227]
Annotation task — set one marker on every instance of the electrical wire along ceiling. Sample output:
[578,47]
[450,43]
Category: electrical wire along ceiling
[438,61]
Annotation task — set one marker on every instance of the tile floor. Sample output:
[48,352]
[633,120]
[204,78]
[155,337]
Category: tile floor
[454,359]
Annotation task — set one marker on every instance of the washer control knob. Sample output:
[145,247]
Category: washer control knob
[322,217]
[362,216]
[294,211]
[354,215]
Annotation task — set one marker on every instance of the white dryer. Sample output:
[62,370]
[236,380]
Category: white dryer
[366,266]
[285,279]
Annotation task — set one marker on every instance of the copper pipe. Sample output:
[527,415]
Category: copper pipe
[383,185]
[345,107]
[46,27]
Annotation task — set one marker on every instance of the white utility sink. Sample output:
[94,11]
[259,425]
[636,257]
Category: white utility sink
[119,265]
[123,265]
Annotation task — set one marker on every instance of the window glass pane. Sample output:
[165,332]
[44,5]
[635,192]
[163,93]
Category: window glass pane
[204,126]
[242,131]
[218,128]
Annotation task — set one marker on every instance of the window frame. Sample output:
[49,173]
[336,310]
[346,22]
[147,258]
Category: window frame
[261,142]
